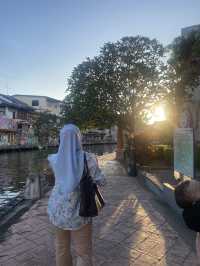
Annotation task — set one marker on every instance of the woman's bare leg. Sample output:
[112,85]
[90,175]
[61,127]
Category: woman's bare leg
[63,251]
[82,240]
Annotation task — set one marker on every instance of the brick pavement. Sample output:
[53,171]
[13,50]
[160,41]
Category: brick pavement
[129,231]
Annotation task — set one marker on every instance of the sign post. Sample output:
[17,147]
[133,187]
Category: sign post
[184,153]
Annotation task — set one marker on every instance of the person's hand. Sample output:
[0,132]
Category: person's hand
[97,161]
[194,189]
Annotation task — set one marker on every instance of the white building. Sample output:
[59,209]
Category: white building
[100,135]
[41,103]
[13,108]
[15,122]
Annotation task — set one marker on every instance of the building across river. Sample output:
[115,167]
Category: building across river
[41,103]
[15,122]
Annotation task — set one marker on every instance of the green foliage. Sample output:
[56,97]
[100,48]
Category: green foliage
[116,86]
[155,153]
[185,60]
[46,126]
[169,156]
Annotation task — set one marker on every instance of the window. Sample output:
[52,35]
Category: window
[35,103]
[14,115]
[19,126]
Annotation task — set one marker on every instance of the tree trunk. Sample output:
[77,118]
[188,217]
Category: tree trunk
[120,143]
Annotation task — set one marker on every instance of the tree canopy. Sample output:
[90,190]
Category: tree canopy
[117,85]
[185,60]
[46,126]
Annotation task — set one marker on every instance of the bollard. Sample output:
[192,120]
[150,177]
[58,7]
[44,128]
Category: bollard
[49,176]
[33,187]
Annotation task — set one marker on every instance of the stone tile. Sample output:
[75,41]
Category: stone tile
[103,244]
[179,250]
[116,262]
[146,246]
[164,262]
[9,262]
[191,260]
[13,240]
[145,260]
[115,236]
[129,231]
[171,257]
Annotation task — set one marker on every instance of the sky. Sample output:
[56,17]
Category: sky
[41,41]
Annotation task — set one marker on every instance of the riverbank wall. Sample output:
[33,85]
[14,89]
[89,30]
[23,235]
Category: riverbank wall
[17,206]
[10,148]
[13,208]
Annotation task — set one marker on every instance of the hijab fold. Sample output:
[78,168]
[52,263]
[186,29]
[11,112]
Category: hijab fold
[68,162]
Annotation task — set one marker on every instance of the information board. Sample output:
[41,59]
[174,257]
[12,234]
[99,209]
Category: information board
[183,153]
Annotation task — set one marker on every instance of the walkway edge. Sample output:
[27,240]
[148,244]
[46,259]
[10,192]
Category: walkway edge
[164,192]
[15,214]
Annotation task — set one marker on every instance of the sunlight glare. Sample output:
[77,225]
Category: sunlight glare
[157,115]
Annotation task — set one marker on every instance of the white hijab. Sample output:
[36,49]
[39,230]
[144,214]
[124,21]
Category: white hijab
[68,162]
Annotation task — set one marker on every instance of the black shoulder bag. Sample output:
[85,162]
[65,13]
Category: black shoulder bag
[191,216]
[91,200]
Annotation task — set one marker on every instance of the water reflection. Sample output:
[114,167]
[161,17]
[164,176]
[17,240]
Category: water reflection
[16,166]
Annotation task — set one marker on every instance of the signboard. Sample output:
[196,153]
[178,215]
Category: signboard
[184,153]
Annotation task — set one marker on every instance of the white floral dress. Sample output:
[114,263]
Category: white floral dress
[63,209]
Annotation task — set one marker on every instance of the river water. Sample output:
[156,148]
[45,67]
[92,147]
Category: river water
[16,166]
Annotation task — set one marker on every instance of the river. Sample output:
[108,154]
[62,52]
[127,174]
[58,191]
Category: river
[16,166]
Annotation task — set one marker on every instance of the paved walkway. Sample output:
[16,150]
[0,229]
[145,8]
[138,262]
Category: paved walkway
[130,231]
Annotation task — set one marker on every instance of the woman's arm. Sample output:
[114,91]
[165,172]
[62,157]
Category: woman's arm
[95,171]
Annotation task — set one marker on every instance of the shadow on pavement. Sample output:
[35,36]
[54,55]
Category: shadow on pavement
[136,229]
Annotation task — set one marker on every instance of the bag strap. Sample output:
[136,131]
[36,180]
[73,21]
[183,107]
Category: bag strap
[86,169]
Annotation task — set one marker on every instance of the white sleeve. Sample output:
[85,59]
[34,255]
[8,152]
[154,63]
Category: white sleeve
[95,171]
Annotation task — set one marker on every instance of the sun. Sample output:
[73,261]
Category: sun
[157,115]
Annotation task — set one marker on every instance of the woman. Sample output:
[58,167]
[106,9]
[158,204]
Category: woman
[64,202]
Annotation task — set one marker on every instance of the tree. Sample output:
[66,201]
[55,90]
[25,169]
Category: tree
[185,60]
[46,126]
[116,86]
